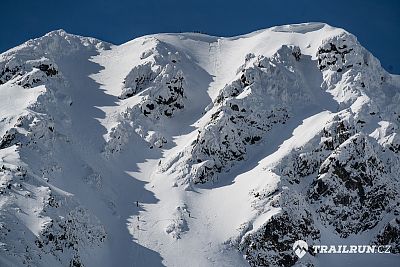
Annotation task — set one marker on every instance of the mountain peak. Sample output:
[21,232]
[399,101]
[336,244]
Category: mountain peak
[59,32]
[225,149]
[300,27]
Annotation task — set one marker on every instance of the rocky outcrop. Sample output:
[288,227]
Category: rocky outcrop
[291,220]
[349,189]
[272,244]
[159,82]
[71,234]
[28,74]
[243,112]
[390,235]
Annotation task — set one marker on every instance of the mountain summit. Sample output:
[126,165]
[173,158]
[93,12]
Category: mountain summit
[188,149]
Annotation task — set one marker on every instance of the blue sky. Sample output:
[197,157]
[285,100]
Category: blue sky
[375,23]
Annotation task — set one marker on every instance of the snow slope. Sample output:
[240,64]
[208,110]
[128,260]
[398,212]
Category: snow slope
[189,149]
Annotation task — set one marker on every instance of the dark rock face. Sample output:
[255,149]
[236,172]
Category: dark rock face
[48,69]
[307,162]
[272,244]
[353,188]
[389,235]
[8,74]
[28,74]
[331,55]
[339,54]
[70,234]
[167,101]
[350,189]
[159,80]
[138,79]
[237,129]
[8,139]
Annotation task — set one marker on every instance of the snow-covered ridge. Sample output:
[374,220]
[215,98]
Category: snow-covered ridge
[225,149]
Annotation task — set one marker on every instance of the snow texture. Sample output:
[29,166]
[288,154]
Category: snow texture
[189,149]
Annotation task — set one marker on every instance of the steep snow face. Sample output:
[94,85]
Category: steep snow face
[52,222]
[178,149]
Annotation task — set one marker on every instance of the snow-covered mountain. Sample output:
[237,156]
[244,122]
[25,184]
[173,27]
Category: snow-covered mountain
[193,150]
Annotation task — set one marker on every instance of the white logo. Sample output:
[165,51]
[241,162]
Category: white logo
[300,247]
